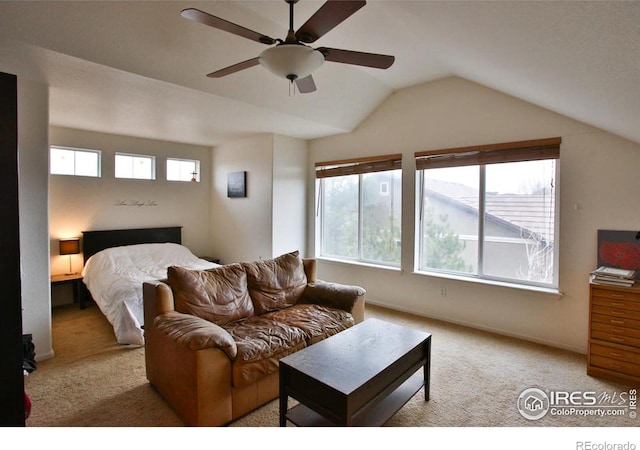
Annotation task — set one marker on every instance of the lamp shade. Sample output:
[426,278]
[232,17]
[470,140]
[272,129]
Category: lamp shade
[291,61]
[69,246]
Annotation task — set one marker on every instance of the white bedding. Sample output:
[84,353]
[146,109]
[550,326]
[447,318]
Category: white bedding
[114,277]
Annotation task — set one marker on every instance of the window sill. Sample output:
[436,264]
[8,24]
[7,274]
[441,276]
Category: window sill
[523,287]
[358,263]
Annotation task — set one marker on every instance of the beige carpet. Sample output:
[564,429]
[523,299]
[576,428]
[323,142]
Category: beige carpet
[476,380]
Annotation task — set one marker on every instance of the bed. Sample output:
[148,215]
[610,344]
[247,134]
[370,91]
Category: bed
[117,262]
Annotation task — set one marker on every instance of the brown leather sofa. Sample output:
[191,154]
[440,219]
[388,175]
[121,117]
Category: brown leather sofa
[213,338]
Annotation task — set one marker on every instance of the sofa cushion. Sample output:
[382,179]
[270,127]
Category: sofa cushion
[218,295]
[276,283]
[261,342]
[318,322]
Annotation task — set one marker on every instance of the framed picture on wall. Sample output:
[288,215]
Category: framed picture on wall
[619,249]
[237,184]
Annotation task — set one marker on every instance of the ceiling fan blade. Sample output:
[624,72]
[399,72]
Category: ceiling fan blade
[331,14]
[216,22]
[235,68]
[358,58]
[306,84]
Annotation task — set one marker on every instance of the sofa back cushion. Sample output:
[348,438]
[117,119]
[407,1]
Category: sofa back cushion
[276,283]
[219,295]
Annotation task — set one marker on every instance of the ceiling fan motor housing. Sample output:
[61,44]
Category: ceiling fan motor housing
[291,61]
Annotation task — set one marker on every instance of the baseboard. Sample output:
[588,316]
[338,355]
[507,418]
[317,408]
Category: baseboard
[477,327]
[43,356]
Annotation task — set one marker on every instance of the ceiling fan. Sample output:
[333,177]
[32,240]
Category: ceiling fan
[291,58]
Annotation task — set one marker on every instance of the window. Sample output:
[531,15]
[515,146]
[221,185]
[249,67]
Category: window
[139,167]
[73,161]
[490,212]
[358,218]
[183,170]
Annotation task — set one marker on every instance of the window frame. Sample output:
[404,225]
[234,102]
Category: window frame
[196,169]
[152,158]
[359,167]
[482,156]
[76,150]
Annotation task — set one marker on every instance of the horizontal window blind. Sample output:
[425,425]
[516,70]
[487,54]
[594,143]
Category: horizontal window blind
[490,154]
[358,166]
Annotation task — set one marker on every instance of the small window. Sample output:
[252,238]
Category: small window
[183,170]
[73,161]
[138,167]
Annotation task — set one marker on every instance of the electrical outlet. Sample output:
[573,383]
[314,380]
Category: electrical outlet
[443,292]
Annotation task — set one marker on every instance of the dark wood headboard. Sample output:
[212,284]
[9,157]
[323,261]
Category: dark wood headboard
[95,241]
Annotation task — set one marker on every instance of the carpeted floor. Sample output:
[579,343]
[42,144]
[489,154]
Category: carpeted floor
[476,380]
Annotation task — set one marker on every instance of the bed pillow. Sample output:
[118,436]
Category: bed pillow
[219,295]
[277,283]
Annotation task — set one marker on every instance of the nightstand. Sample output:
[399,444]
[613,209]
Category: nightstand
[75,279]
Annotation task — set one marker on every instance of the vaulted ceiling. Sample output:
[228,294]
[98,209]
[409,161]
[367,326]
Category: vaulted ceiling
[138,68]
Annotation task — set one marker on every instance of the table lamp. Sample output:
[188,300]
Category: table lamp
[69,247]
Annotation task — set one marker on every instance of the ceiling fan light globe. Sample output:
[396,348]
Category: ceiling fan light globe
[291,61]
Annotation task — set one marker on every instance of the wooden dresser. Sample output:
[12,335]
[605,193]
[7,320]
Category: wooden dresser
[614,333]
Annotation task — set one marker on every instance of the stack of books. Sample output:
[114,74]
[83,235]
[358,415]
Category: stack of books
[614,276]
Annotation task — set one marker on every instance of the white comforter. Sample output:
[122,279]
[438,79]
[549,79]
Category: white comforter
[114,277]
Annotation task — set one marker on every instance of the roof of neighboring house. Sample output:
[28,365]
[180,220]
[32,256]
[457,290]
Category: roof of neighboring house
[528,213]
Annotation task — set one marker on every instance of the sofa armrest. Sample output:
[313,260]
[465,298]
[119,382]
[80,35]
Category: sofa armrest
[195,333]
[157,298]
[342,296]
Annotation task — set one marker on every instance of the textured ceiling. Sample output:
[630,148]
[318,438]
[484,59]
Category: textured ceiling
[137,68]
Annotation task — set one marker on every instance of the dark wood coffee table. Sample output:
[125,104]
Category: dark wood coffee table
[359,377]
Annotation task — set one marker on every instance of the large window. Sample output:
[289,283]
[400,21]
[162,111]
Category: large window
[183,170]
[359,209]
[139,167]
[74,161]
[490,212]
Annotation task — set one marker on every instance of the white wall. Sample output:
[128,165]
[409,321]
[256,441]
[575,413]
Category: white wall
[33,167]
[290,161]
[599,184]
[241,227]
[84,203]
[271,220]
